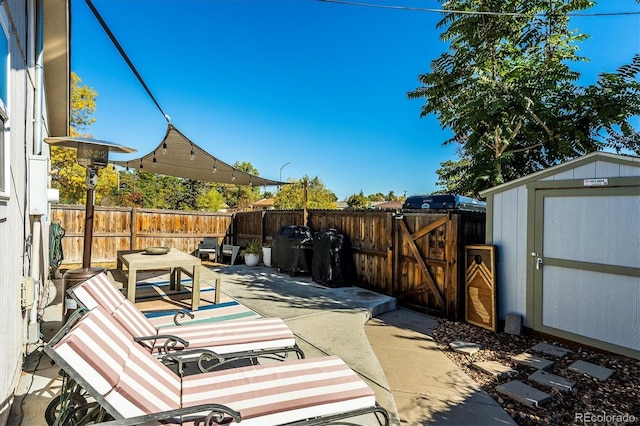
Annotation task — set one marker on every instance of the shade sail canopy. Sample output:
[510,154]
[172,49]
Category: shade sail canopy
[178,156]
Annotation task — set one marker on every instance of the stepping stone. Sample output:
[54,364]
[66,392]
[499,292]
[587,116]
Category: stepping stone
[529,360]
[495,368]
[550,349]
[513,324]
[463,347]
[524,393]
[551,380]
[593,370]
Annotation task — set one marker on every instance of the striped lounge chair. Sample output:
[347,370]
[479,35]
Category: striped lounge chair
[211,345]
[134,387]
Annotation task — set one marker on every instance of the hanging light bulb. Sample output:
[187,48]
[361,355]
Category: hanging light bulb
[233,175]
[215,165]
[155,162]
[193,154]
[141,166]
[250,180]
[164,148]
[127,166]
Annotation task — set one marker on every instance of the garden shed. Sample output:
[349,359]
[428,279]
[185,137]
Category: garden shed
[568,241]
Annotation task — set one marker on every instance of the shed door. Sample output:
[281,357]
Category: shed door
[586,266]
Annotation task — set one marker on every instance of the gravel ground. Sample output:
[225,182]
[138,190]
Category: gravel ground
[614,401]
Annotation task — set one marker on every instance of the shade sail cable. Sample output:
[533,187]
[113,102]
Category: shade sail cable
[115,42]
[177,155]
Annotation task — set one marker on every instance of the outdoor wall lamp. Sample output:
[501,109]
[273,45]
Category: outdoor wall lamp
[92,154]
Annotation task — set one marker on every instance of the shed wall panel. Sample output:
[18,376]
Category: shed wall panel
[510,235]
[567,218]
[605,169]
[628,171]
[592,304]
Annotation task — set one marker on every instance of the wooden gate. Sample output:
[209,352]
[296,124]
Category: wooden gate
[480,286]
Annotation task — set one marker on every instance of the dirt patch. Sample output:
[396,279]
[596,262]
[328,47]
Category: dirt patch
[614,401]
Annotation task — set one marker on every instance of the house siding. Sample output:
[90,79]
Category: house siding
[16,229]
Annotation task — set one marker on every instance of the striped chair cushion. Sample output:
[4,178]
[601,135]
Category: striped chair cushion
[282,392]
[134,322]
[235,336]
[145,386]
[98,291]
[96,349]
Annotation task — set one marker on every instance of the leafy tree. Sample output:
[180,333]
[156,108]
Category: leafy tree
[291,196]
[358,202]
[379,196]
[69,176]
[210,201]
[241,197]
[391,196]
[506,91]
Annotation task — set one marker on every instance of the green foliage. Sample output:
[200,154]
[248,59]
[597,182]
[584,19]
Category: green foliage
[507,93]
[83,105]
[358,202]
[210,200]
[252,247]
[291,196]
[241,197]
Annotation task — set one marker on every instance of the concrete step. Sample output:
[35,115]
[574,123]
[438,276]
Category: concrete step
[529,360]
[495,368]
[593,370]
[553,381]
[552,350]
[524,393]
[467,348]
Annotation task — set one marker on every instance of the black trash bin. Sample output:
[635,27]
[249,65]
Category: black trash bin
[332,262]
[292,249]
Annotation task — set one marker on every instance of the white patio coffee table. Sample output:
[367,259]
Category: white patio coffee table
[175,260]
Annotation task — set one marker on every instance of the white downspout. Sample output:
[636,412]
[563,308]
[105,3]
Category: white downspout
[36,30]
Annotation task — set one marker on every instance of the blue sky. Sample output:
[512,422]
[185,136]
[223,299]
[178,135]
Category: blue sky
[320,85]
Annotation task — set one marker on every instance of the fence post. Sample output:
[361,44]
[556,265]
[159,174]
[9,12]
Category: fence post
[134,226]
[396,254]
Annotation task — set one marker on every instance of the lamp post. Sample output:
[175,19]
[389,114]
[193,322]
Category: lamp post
[283,166]
[92,154]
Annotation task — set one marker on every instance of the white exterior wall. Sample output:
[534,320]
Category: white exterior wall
[510,236]
[15,228]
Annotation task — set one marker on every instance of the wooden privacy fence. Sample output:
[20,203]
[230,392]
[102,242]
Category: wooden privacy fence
[415,257]
[122,228]
[418,258]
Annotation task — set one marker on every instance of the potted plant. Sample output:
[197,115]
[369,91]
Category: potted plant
[251,253]
[266,255]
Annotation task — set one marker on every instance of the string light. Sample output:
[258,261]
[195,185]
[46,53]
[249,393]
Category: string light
[164,147]
[155,162]
[141,166]
[250,180]
[233,175]
[127,166]
[215,165]
[193,154]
